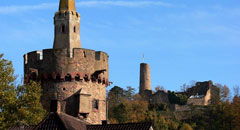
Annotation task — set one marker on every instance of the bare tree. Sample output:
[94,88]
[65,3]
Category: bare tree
[236,91]
[159,88]
[184,87]
[224,92]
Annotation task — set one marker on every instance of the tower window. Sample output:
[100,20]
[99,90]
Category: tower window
[77,77]
[95,104]
[63,28]
[33,76]
[74,29]
[68,77]
[86,78]
[84,53]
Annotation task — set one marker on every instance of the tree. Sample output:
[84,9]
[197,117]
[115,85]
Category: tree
[160,88]
[224,92]
[184,87]
[236,91]
[30,110]
[186,126]
[7,94]
[18,105]
[180,99]
[236,110]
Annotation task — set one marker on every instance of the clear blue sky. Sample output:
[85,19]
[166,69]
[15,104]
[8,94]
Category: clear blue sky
[182,40]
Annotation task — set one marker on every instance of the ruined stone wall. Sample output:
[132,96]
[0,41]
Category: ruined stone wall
[64,78]
[160,97]
[206,100]
[196,101]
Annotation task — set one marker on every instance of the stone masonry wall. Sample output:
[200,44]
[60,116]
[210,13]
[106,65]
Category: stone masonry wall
[63,77]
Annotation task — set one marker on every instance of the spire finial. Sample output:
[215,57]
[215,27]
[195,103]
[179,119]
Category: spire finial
[67,5]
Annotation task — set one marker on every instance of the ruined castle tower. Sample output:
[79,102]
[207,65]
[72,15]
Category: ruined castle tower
[70,76]
[145,78]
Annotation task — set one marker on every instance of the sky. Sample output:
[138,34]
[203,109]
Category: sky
[182,40]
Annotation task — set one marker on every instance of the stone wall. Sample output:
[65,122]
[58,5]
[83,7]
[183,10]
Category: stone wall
[160,97]
[67,79]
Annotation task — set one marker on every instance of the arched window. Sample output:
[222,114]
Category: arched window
[77,77]
[68,77]
[33,76]
[86,78]
[63,28]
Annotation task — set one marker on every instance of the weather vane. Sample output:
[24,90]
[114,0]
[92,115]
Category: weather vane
[143,57]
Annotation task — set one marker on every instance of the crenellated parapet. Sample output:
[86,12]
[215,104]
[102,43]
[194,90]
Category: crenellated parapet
[56,64]
[65,14]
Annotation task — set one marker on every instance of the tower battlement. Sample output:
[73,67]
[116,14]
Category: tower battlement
[46,54]
[67,13]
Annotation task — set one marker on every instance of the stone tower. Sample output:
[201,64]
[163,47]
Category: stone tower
[145,78]
[67,26]
[72,77]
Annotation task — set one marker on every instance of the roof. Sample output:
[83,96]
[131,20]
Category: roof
[67,5]
[128,126]
[61,121]
[22,128]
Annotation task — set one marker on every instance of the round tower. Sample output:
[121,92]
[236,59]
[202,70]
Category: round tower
[145,78]
[74,77]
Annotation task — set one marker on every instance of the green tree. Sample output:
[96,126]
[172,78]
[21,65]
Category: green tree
[7,94]
[18,105]
[30,110]
[120,113]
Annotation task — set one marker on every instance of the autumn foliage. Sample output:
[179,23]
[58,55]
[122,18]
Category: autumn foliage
[125,107]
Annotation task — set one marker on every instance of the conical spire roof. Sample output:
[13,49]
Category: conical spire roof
[67,5]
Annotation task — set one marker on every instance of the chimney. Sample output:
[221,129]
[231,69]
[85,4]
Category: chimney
[55,106]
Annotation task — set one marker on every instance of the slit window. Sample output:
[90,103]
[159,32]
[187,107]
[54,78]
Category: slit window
[84,53]
[74,29]
[63,28]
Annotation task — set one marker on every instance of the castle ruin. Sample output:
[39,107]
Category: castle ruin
[202,94]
